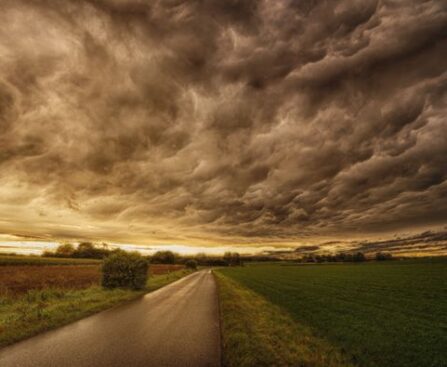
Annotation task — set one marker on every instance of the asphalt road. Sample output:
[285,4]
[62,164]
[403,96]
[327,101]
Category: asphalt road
[178,325]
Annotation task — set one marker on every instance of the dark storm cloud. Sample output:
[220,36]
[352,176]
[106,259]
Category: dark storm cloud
[307,249]
[428,240]
[422,244]
[222,121]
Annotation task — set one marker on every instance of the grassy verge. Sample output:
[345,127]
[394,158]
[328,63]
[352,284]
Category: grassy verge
[41,310]
[157,281]
[258,333]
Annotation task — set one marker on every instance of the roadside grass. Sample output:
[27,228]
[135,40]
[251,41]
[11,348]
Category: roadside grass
[258,333]
[157,281]
[41,310]
[381,313]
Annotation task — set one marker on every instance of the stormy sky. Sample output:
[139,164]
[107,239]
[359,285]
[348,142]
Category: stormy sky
[222,122]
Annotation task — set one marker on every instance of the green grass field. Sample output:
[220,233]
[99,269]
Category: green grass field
[380,314]
[258,333]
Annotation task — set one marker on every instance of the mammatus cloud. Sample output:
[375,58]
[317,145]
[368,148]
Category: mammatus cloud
[220,122]
[421,244]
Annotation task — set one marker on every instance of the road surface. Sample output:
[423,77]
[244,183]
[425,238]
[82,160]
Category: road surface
[177,325]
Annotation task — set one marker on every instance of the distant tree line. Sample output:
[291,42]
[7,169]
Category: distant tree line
[88,250]
[232,258]
[344,257]
[85,250]
[201,259]
[383,256]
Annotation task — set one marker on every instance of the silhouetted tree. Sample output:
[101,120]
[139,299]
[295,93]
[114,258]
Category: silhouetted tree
[358,257]
[65,250]
[47,253]
[88,250]
[383,256]
[191,264]
[163,257]
[232,258]
[201,258]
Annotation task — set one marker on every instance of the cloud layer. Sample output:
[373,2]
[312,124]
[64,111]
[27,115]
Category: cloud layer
[222,121]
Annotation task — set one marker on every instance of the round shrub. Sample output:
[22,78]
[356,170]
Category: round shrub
[126,270]
[191,264]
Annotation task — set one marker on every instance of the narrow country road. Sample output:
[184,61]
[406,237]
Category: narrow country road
[177,325]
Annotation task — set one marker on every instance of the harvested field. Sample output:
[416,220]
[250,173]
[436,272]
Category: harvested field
[44,261]
[18,279]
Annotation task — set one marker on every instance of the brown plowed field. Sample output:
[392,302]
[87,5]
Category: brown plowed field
[20,279]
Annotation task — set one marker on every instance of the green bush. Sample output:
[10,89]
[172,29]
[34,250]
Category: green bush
[124,270]
[191,264]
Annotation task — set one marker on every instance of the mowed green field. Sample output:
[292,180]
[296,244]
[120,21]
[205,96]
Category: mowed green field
[380,314]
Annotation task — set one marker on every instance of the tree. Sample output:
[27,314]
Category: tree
[358,257]
[47,253]
[237,259]
[125,269]
[89,251]
[232,258]
[65,250]
[163,257]
[383,256]
[191,264]
[227,258]
[201,258]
